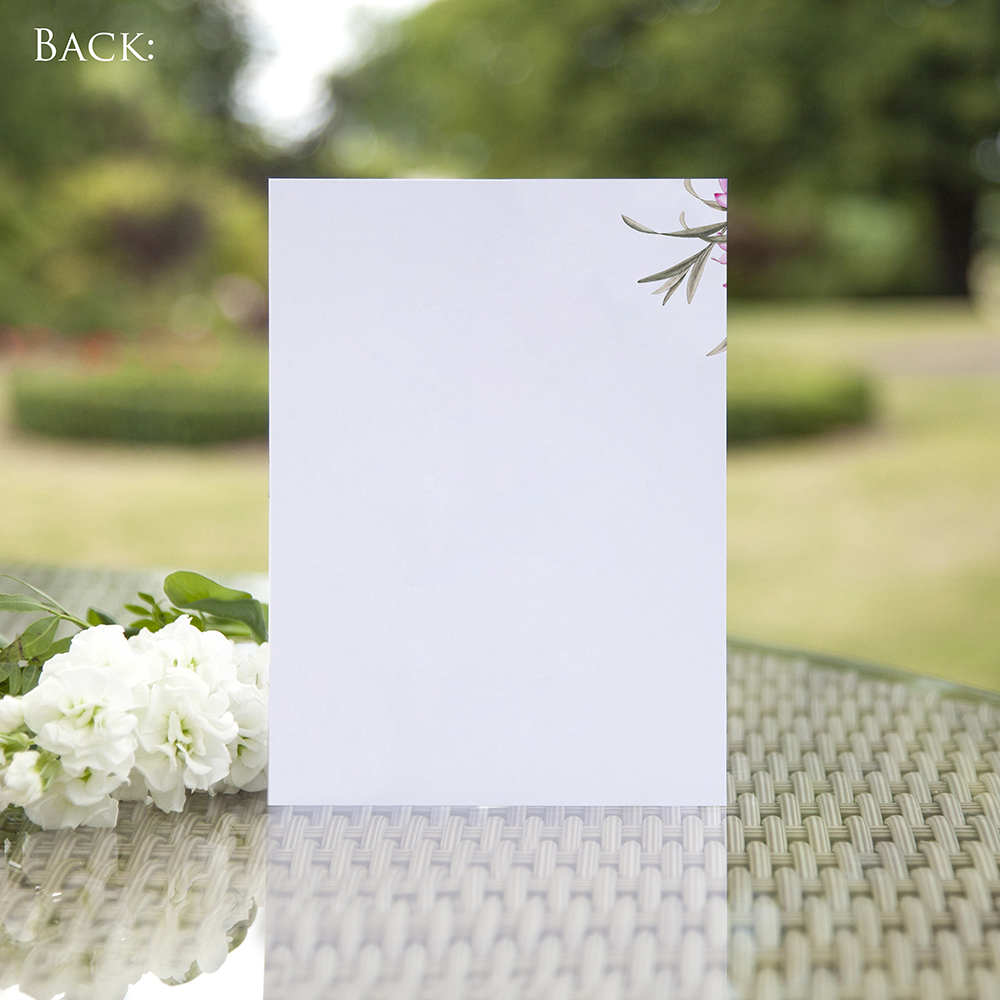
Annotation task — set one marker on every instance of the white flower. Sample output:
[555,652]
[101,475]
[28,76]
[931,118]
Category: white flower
[71,800]
[105,647]
[180,644]
[54,799]
[83,714]
[13,736]
[11,714]
[22,781]
[252,663]
[149,718]
[183,735]
[248,751]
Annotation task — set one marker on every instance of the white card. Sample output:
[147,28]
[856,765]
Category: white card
[497,496]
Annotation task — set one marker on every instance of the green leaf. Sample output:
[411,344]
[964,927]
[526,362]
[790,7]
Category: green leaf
[671,271]
[59,646]
[192,590]
[673,288]
[20,604]
[33,641]
[95,617]
[639,226]
[50,606]
[701,231]
[141,623]
[696,272]
[29,678]
[232,629]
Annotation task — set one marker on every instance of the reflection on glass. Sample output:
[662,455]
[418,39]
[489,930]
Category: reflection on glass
[88,912]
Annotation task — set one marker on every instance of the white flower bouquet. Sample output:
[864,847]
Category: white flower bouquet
[175,702]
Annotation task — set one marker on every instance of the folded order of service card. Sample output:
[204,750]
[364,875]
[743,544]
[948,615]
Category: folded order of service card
[497,494]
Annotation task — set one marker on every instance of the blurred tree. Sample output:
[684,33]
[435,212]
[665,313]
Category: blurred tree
[126,188]
[857,134]
[61,112]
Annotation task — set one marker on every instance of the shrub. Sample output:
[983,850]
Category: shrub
[135,404]
[779,398]
[122,239]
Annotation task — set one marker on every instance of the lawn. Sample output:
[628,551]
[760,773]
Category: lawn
[882,543]
[119,506]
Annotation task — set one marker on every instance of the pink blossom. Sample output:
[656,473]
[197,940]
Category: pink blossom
[722,196]
[723,256]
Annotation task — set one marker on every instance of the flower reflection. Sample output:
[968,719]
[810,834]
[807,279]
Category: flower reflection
[88,912]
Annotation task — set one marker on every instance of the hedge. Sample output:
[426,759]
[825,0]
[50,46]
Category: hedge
[134,404]
[768,398]
[782,398]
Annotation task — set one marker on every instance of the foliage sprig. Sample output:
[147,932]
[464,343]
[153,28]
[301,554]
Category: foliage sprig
[210,605]
[692,268]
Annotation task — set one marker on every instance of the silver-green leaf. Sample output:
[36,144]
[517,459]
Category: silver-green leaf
[671,271]
[695,276]
[689,187]
[639,226]
[699,231]
[673,288]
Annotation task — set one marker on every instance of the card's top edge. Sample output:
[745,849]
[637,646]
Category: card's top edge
[484,180]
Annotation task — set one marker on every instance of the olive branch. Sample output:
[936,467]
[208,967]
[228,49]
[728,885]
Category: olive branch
[692,267]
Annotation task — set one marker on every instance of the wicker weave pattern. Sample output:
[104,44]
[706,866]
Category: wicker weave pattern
[500,903]
[863,832]
[91,911]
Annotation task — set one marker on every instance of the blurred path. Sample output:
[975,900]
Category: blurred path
[946,354]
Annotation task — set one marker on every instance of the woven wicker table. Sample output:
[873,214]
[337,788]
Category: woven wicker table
[863,831]
[863,834]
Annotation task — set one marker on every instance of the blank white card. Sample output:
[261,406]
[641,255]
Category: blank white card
[497,496]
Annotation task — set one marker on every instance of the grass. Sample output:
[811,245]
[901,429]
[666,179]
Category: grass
[883,543]
[119,506]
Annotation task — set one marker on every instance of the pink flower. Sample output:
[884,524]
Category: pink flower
[723,257]
[721,196]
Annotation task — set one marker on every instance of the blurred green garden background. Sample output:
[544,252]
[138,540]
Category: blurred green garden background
[860,143]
